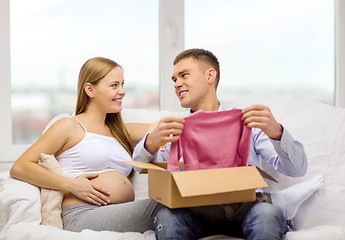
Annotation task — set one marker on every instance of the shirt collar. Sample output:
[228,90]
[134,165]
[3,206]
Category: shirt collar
[221,108]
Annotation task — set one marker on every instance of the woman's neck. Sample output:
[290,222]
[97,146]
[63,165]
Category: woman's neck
[94,121]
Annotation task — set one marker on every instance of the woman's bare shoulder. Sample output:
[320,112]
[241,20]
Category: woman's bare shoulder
[61,135]
[65,125]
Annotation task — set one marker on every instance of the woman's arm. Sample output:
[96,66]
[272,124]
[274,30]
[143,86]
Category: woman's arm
[138,130]
[58,136]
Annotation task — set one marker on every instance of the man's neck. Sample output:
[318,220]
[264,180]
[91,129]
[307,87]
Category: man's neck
[209,107]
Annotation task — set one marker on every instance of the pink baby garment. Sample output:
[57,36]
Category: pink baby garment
[212,140]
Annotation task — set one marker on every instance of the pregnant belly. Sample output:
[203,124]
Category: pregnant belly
[116,183]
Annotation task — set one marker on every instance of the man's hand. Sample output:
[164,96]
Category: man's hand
[84,189]
[260,116]
[168,129]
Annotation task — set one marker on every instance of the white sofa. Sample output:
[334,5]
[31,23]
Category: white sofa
[320,127]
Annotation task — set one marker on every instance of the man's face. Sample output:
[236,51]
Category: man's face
[190,83]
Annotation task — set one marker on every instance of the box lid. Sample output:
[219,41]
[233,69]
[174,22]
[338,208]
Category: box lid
[144,165]
[221,180]
[152,165]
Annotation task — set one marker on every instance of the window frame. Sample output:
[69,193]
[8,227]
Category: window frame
[171,42]
[339,49]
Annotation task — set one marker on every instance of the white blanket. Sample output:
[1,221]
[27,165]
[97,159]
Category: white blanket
[20,216]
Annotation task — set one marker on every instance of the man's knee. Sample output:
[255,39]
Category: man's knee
[265,221]
[169,215]
[169,223]
[266,211]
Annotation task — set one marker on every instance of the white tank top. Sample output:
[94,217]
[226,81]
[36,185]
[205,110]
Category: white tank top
[95,153]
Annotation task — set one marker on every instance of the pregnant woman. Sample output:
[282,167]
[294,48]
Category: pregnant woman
[90,147]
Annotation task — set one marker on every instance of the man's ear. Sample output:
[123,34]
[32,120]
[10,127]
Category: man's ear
[211,77]
[88,89]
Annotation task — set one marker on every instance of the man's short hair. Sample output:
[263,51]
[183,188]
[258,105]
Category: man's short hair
[203,56]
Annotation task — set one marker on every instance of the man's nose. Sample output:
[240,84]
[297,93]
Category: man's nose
[178,83]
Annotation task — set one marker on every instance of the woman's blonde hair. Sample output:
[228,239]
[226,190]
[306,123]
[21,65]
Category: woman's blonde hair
[92,72]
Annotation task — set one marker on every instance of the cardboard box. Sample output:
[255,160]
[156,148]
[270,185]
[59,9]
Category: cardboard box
[202,187]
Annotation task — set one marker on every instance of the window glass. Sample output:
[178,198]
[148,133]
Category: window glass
[50,40]
[283,47]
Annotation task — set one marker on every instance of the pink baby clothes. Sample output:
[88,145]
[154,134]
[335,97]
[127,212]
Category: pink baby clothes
[212,140]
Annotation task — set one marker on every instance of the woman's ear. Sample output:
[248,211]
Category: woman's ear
[88,89]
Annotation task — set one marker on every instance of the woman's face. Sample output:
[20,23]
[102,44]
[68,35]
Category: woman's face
[108,93]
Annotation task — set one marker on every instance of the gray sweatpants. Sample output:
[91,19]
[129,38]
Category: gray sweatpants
[136,216]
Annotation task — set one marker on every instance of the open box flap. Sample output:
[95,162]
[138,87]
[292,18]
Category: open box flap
[144,165]
[266,175]
[165,164]
[220,180]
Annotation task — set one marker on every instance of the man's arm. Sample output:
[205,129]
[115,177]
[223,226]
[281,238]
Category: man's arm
[260,116]
[168,129]
[286,155]
[274,143]
[165,131]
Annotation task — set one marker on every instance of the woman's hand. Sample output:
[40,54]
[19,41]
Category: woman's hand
[260,116]
[86,190]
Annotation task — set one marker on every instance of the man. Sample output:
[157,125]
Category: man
[196,76]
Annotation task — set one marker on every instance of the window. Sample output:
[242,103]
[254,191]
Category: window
[284,47]
[50,40]
[64,42]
